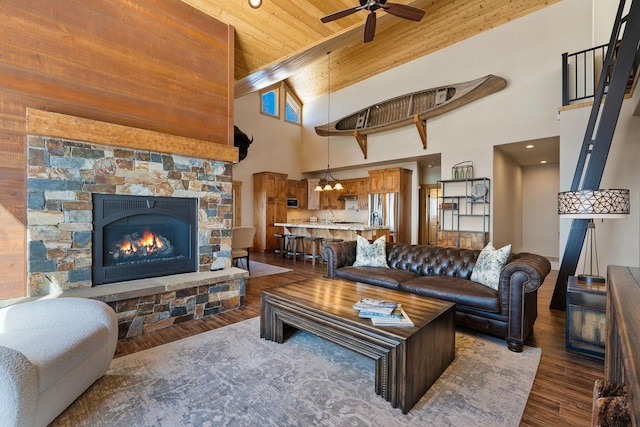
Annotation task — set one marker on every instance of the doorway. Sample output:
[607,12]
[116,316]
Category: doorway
[428,213]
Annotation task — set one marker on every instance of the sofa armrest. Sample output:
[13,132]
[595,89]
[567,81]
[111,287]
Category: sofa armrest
[59,312]
[523,275]
[339,254]
[526,270]
[46,313]
[18,389]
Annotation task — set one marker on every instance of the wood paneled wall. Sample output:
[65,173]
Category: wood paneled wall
[159,65]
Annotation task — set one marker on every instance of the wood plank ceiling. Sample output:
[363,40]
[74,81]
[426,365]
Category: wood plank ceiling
[285,40]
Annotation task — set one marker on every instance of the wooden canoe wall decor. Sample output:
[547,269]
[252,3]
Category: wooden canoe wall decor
[414,108]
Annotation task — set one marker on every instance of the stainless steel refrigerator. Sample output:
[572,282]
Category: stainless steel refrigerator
[383,211]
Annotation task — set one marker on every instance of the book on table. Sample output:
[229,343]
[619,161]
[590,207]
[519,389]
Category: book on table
[383,313]
[404,320]
[395,313]
[375,305]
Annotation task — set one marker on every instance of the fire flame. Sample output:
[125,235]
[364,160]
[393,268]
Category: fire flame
[149,243]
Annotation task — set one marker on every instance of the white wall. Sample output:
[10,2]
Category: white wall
[275,148]
[541,228]
[506,202]
[526,52]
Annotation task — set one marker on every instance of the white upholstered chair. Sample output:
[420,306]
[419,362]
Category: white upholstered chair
[51,351]
[241,243]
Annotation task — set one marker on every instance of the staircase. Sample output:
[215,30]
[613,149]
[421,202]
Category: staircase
[599,134]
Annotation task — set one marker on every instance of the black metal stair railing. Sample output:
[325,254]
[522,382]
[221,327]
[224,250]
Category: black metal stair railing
[599,133]
[581,72]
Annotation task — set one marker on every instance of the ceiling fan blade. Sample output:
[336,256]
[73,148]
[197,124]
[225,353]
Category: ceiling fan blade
[341,14]
[403,11]
[370,27]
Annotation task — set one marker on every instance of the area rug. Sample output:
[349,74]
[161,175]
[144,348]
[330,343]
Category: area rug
[259,269]
[232,377]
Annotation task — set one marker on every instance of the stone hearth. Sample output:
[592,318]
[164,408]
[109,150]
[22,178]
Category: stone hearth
[147,305]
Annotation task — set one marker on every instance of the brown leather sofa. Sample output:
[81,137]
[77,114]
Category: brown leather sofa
[444,273]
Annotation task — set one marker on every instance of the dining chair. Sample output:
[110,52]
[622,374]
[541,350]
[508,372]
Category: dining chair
[241,244]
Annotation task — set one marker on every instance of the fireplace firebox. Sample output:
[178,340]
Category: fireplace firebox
[136,237]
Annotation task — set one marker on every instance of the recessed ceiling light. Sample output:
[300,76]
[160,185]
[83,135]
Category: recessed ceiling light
[255,3]
[543,161]
[530,146]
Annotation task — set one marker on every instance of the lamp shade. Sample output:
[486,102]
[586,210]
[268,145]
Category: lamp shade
[588,204]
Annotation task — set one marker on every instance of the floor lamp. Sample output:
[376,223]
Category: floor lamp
[593,204]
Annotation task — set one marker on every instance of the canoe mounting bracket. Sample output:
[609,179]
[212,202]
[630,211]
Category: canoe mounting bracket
[362,141]
[421,125]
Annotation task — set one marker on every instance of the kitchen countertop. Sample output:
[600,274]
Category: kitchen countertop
[349,226]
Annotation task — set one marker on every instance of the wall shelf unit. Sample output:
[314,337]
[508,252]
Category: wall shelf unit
[464,214]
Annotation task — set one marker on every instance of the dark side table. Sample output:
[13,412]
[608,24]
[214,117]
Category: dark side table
[586,317]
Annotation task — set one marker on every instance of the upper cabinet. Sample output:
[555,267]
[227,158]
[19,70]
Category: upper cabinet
[298,190]
[357,188]
[388,180]
[332,200]
[292,189]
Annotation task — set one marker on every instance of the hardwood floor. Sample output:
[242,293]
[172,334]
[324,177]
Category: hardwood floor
[562,390]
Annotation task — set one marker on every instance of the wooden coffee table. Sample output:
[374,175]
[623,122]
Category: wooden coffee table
[408,360]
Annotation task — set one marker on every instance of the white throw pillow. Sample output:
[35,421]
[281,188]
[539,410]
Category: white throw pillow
[490,263]
[371,254]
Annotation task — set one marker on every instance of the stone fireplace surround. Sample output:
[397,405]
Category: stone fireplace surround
[63,173]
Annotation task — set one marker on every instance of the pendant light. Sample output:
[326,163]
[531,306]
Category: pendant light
[255,3]
[328,181]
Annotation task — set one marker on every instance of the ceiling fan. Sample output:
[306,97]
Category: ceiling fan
[399,10]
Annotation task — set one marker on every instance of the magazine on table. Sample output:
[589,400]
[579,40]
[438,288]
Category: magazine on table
[404,320]
[375,305]
[396,313]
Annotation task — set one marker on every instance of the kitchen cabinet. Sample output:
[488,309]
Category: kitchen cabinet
[298,190]
[357,188]
[350,187]
[269,207]
[331,200]
[388,180]
[292,189]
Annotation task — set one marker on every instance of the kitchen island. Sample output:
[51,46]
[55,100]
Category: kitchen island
[334,230]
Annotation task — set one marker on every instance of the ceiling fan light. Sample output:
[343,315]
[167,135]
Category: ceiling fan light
[255,3]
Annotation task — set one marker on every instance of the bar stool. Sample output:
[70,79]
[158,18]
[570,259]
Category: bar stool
[326,240]
[316,246]
[291,242]
[279,244]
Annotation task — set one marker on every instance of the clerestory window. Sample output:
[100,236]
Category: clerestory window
[278,96]
[270,101]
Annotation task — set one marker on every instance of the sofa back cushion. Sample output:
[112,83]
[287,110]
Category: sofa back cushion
[432,260]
